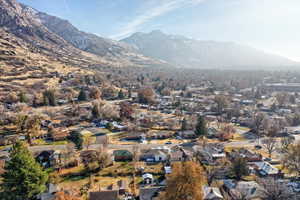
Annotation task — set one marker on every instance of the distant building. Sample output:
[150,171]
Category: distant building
[284,87]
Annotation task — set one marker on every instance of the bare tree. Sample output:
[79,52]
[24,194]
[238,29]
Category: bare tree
[285,143]
[292,158]
[258,120]
[274,190]
[270,145]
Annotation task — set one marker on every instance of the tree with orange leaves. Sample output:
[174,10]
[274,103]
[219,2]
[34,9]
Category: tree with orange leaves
[185,182]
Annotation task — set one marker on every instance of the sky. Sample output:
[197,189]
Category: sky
[269,25]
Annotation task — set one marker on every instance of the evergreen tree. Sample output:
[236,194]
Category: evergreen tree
[49,98]
[23,177]
[201,129]
[239,168]
[129,93]
[82,95]
[184,125]
[121,95]
[96,111]
[77,139]
[22,97]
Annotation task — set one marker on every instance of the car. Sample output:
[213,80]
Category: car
[179,138]
[267,159]
[169,142]
[258,147]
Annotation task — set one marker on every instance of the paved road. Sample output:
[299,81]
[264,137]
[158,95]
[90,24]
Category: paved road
[33,149]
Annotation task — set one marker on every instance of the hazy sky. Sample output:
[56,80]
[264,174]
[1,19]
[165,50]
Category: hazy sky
[270,25]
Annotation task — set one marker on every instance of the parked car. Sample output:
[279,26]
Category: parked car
[258,147]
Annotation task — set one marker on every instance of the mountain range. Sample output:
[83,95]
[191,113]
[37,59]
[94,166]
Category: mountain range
[24,30]
[184,52]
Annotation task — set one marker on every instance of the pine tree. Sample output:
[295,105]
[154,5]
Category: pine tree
[96,111]
[22,97]
[239,168]
[201,129]
[82,95]
[23,177]
[121,95]
[184,125]
[77,139]
[49,98]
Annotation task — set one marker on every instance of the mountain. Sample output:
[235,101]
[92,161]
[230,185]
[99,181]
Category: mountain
[36,48]
[59,40]
[185,52]
[106,48]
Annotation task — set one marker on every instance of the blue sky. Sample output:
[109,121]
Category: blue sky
[270,25]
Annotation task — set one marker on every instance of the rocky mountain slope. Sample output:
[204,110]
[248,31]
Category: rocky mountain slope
[58,40]
[185,52]
[114,51]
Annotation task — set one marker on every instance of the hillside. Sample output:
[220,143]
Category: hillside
[185,52]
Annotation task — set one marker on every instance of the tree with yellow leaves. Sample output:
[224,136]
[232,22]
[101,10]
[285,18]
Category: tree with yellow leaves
[185,182]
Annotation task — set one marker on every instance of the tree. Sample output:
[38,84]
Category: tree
[258,120]
[95,93]
[227,132]
[77,139]
[82,95]
[291,159]
[23,177]
[285,143]
[270,144]
[96,111]
[281,99]
[29,125]
[121,95]
[88,139]
[184,125]
[146,96]
[201,129]
[272,189]
[185,182]
[49,98]
[221,102]
[239,168]
[22,97]
[126,110]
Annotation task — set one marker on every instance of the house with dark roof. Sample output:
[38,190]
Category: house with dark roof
[154,155]
[104,195]
[212,193]
[122,155]
[150,193]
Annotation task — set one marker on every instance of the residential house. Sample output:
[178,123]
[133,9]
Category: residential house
[151,193]
[50,193]
[154,155]
[7,140]
[180,154]
[148,179]
[122,187]
[3,159]
[245,153]
[122,155]
[243,189]
[189,134]
[59,135]
[168,169]
[212,193]
[49,158]
[266,169]
[104,195]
